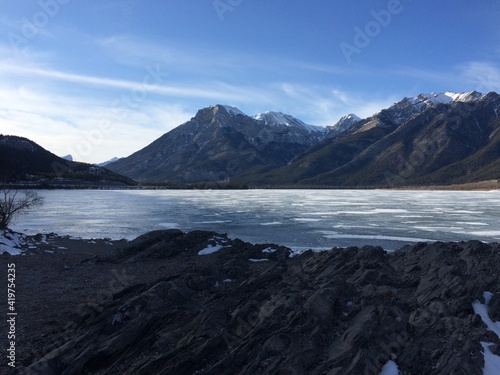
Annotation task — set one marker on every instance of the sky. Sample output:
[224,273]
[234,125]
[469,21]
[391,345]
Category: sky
[104,78]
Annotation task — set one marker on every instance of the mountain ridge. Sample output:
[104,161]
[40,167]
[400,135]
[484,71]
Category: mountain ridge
[27,164]
[404,145]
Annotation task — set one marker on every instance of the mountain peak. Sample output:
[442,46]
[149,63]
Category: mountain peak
[350,117]
[68,157]
[209,112]
[105,163]
[343,124]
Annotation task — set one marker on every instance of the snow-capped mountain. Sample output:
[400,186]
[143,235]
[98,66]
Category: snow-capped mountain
[278,118]
[408,108]
[112,160]
[345,123]
[68,157]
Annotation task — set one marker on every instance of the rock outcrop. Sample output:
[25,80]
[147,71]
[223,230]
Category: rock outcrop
[241,308]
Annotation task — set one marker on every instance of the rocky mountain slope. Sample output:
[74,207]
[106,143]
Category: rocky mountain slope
[202,303]
[435,139]
[25,163]
[217,144]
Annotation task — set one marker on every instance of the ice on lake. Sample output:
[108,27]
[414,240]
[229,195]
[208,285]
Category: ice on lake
[300,219]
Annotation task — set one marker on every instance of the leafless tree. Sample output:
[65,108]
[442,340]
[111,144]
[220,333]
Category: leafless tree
[11,204]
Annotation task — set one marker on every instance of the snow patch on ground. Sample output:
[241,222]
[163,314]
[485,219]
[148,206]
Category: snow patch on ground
[210,249]
[220,243]
[390,368]
[258,260]
[491,361]
[482,310]
[269,250]
[12,242]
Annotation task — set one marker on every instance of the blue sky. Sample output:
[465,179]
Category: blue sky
[104,78]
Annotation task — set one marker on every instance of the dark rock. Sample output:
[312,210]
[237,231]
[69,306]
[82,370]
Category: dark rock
[344,311]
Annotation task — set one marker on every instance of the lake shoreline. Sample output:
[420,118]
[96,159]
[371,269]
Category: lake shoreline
[488,185]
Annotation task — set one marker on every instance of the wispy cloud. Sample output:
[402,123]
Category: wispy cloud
[198,62]
[327,104]
[438,77]
[152,82]
[66,124]
[484,76]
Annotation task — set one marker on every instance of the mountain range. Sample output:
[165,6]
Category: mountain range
[430,139]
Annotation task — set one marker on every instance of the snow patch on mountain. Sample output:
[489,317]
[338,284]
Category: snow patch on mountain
[408,108]
[233,110]
[350,117]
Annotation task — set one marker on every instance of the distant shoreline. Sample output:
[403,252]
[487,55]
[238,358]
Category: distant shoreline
[470,186]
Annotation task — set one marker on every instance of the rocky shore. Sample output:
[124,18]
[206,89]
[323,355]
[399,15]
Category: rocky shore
[171,302]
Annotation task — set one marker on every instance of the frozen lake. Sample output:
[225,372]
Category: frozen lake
[299,219]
